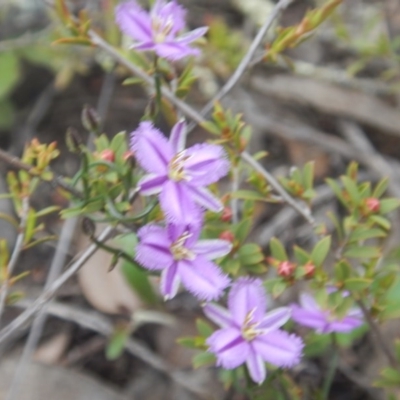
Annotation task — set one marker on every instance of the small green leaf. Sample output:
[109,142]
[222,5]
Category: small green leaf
[388,205]
[204,358]
[204,328]
[242,229]
[249,195]
[337,190]
[362,233]
[380,188]
[381,221]
[301,255]
[352,190]
[189,342]
[116,344]
[308,175]
[363,252]
[390,377]
[9,72]
[250,254]
[321,250]
[278,288]
[342,270]
[357,284]
[278,250]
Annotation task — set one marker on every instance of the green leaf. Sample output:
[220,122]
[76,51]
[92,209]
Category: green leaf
[47,210]
[116,344]
[7,114]
[278,288]
[242,229]
[308,175]
[362,233]
[204,358]
[352,190]
[204,328]
[390,311]
[390,377]
[381,221]
[9,72]
[132,81]
[301,255]
[387,205]
[380,188]
[231,266]
[188,341]
[248,195]
[316,344]
[363,252]
[250,254]
[320,251]
[278,250]
[342,270]
[133,273]
[337,190]
[118,145]
[357,284]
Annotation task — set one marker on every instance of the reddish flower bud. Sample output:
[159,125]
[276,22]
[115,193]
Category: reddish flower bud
[226,215]
[129,158]
[227,235]
[286,269]
[309,270]
[373,204]
[107,155]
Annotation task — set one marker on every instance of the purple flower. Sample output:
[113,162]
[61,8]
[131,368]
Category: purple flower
[178,175]
[248,334]
[158,30]
[177,251]
[311,314]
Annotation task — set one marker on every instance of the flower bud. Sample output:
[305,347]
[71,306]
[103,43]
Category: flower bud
[286,269]
[227,235]
[373,204]
[107,155]
[309,270]
[90,119]
[73,140]
[226,215]
[88,227]
[129,158]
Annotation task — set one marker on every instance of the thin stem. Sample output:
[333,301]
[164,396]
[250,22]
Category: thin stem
[279,7]
[48,294]
[303,210]
[332,369]
[378,335]
[15,254]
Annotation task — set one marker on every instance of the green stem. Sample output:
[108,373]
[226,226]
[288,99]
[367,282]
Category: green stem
[157,84]
[332,369]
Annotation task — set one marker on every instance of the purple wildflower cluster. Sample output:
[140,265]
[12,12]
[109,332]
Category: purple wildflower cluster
[179,177]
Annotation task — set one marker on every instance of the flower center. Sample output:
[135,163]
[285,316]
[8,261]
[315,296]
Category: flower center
[179,251]
[249,328]
[176,170]
[161,29]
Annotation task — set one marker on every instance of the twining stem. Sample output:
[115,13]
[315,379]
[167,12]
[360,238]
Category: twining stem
[234,200]
[15,254]
[157,85]
[330,375]
[378,335]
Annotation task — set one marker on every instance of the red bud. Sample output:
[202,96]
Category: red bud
[107,155]
[226,215]
[228,236]
[286,269]
[373,204]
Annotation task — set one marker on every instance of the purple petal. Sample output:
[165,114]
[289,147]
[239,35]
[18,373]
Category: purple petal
[256,367]
[153,250]
[151,184]
[177,203]
[247,296]
[178,136]
[279,348]
[312,319]
[275,319]
[203,278]
[174,51]
[229,347]
[134,21]
[308,302]
[170,13]
[218,314]
[347,324]
[212,249]
[190,37]
[205,198]
[206,164]
[169,284]
[151,148]
[145,46]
